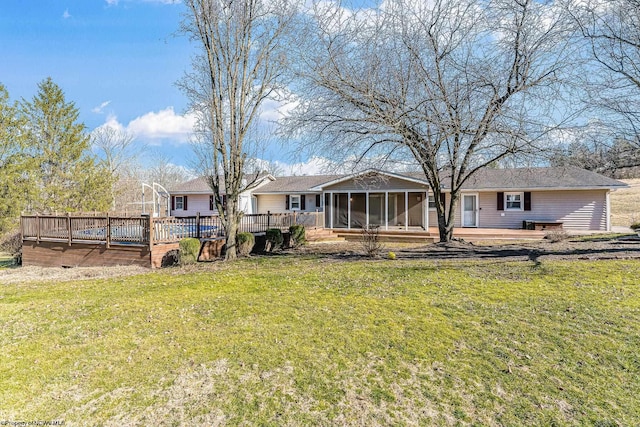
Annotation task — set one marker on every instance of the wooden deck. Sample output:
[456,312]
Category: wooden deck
[104,240]
[419,235]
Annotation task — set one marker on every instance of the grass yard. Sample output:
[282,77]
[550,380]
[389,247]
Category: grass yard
[625,203]
[6,260]
[308,341]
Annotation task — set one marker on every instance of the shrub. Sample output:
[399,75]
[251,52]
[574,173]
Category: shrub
[555,236]
[245,242]
[298,235]
[12,244]
[274,240]
[189,251]
[370,241]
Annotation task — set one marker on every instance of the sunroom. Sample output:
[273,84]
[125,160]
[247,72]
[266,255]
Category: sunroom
[373,198]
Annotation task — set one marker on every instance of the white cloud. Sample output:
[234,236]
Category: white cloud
[100,108]
[112,2]
[276,109]
[66,14]
[155,126]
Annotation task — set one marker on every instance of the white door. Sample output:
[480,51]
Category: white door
[470,210]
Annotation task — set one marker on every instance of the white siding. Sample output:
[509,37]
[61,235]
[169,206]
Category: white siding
[276,203]
[195,203]
[578,210]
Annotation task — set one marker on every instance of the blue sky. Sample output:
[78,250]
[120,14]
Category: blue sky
[118,60]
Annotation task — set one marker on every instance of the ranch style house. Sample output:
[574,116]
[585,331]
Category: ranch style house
[554,197]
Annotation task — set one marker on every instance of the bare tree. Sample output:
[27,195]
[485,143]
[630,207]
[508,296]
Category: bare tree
[611,30]
[456,84]
[115,148]
[239,66]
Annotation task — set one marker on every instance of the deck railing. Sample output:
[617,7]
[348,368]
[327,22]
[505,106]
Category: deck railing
[145,230]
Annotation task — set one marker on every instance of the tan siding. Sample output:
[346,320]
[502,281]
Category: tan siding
[385,184]
[579,210]
[271,203]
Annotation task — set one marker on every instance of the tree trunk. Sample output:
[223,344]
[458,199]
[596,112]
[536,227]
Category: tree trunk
[231,230]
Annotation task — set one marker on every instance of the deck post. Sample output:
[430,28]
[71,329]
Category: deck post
[366,204]
[69,226]
[38,228]
[268,220]
[108,232]
[197,225]
[151,232]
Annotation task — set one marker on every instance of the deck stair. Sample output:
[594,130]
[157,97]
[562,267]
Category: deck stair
[389,236]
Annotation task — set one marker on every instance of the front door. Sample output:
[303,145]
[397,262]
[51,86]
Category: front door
[469,210]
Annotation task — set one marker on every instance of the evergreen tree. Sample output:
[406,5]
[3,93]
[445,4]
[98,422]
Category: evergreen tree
[14,165]
[66,175]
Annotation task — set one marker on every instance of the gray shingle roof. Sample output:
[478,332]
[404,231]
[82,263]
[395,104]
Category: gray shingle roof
[486,179]
[199,185]
[538,178]
[295,184]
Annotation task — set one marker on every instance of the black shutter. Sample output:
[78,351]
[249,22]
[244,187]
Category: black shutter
[303,205]
[527,201]
[317,201]
[184,202]
[286,206]
[173,203]
[500,205]
[211,204]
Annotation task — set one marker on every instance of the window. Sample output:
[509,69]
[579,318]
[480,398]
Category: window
[513,201]
[179,203]
[295,203]
[432,202]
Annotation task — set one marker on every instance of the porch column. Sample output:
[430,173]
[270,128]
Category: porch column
[366,194]
[386,210]
[331,209]
[608,209]
[406,210]
[425,211]
[349,210]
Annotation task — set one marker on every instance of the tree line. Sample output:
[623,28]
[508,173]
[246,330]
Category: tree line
[49,161]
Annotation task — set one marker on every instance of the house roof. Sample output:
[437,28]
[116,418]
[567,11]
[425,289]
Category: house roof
[552,178]
[296,184]
[555,178]
[200,185]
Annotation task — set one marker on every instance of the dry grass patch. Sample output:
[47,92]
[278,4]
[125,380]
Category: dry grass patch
[625,204]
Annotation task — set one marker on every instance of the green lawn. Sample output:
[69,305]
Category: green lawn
[290,341]
[6,260]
